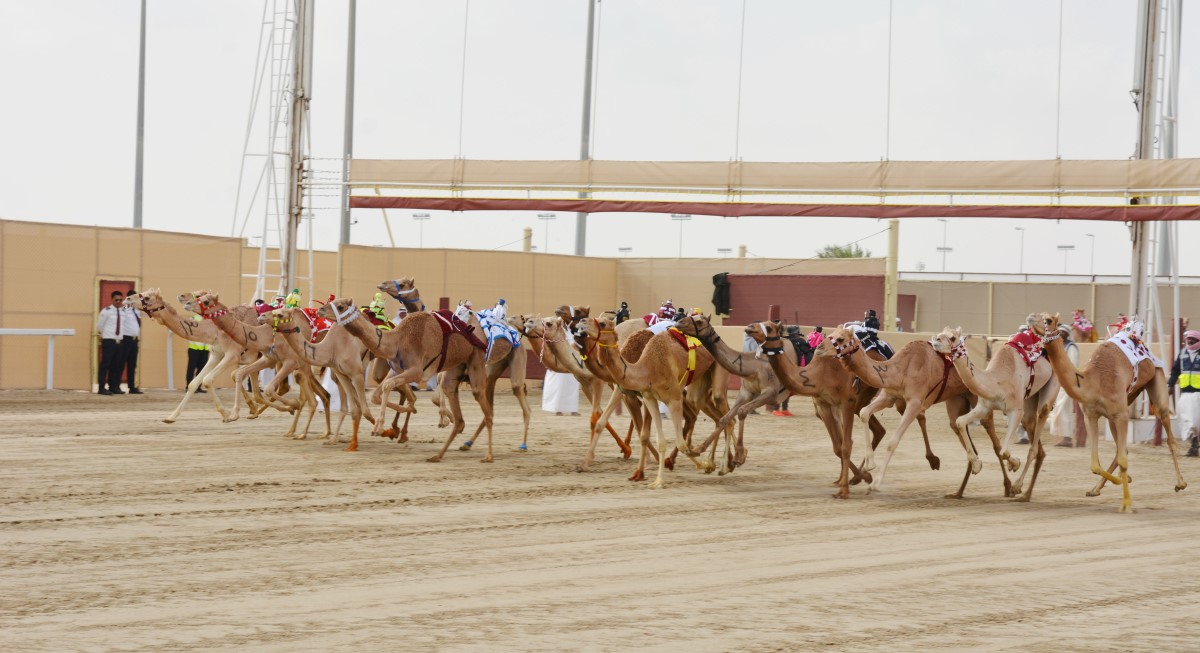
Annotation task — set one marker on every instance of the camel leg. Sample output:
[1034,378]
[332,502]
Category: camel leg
[197,381]
[652,406]
[520,392]
[601,422]
[1092,423]
[643,427]
[909,416]
[837,431]
[877,404]
[1120,423]
[450,397]
[1037,452]
[595,396]
[1161,407]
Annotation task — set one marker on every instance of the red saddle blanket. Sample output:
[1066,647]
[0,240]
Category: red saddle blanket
[451,324]
[1028,344]
[319,324]
[371,317]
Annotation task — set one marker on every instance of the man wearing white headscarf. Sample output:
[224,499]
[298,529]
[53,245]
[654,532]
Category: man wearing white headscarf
[1186,372]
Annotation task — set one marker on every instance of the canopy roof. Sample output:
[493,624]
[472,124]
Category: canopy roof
[1126,190]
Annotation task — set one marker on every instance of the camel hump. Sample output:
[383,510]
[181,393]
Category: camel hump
[635,345]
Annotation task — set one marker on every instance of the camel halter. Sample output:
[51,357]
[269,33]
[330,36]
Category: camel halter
[703,337]
[342,319]
[956,352]
[212,316]
[546,342]
[275,322]
[839,354]
[1051,337]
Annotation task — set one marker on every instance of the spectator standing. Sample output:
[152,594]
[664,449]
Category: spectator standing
[1063,418]
[1186,372]
[108,326]
[131,334]
[198,353]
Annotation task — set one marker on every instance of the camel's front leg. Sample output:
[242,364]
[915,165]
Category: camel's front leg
[651,405]
[211,365]
[599,424]
[449,387]
[880,402]
[910,415]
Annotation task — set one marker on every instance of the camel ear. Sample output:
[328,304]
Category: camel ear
[349,301]
[1056,317]
[958,331]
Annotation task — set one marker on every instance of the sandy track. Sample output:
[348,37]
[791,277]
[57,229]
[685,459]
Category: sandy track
[124,533]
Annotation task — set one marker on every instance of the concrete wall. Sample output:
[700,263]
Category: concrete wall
[49,275]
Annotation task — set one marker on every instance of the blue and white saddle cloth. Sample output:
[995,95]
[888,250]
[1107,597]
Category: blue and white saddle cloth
[491,320]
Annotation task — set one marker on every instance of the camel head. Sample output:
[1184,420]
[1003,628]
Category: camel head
[207,303]
[399,288]
[949,342]
[150,301]
[1046,323]
[280,319]
[336,308]
[843,342]
[191,300]
[516,321]
[573,314]
[699,327]
[535,327]
[759,331]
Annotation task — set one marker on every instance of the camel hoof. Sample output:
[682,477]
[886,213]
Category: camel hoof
[253,415]
[350,448]
[935,463]
[1091,493]
[226,420]
[844,494]
[669,463]
[953,496]
[639,475]
[656,485]
[1014,464]
[522,448]
[976,465]
[1022,499]
[435,459]
[466,446]
[487,460]
[168,420]
[1180,487]
[579,469]
[626,453]
[388,433]
[1126,509]
[302,436]
[403,438]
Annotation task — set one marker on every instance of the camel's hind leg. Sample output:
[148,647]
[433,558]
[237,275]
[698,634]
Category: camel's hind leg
[1157,392]
[934,462]
[909,416]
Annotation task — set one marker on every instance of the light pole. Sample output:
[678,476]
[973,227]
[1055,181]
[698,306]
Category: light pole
[1066,250]
[546,218]
[1021,265]
[421,218]
[681,218]
[625,250]
[1092,266]
[944,249]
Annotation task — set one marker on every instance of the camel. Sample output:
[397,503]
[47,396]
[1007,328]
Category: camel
[226,354]
[341,352]
[662,373]
[416,350]
[1024,394]
[263,339]
[504,356]
[548,339]
[920,377]
[835,395]
[1105,387]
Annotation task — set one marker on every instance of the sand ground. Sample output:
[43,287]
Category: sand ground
[122,533]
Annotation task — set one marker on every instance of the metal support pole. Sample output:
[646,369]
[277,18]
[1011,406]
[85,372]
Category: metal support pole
[141,126]
[348,124]
[50,359]
[585,145]
[1144,91]
[301,86]
[892,279]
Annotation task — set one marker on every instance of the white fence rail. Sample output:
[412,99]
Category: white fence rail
[49,348]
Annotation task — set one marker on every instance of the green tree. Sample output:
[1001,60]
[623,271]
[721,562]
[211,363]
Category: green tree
[843,251]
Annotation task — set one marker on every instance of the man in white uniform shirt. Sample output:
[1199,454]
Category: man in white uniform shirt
[131,334]
[108,327]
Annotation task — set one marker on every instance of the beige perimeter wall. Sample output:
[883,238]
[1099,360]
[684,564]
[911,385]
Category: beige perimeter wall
[49,276]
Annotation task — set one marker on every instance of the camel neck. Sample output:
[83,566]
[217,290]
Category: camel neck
[376,342]
[258,338]
[1069,378]
[565,359]
[870,371]
[966,372]
[741,363]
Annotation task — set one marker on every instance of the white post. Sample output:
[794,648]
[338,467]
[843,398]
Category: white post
[50,364]
[170,364]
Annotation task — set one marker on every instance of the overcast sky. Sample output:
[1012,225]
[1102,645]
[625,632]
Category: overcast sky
[970,81]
